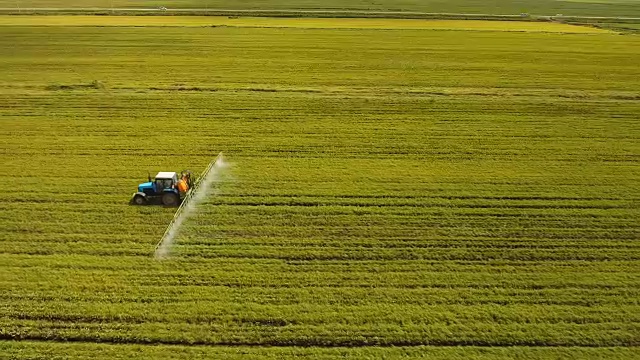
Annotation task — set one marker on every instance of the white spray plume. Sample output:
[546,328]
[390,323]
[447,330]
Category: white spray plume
[201,193]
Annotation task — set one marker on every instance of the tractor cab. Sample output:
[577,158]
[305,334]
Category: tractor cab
[166,187]
[165,181]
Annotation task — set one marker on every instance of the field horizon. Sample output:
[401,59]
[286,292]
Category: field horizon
[618,8]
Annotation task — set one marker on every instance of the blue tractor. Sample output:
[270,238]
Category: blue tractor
[166,188]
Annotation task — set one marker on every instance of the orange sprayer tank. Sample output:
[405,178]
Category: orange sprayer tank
[182,186]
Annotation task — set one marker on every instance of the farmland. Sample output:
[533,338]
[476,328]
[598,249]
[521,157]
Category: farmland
[627,8]
[392,192]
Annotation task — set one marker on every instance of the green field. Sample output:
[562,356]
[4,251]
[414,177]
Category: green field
[392,193]
[627,8]
[625,27]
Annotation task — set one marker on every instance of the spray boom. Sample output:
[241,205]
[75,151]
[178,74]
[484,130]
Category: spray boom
[194,195]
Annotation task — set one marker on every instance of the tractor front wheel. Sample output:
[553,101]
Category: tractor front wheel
[170,199]
[139,200]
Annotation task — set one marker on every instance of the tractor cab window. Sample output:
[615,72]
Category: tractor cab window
[162,184]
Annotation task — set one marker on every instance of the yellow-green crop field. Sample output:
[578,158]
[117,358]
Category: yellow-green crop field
[395,193]
[305,23]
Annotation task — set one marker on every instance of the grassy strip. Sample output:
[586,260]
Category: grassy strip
[36,350]
[309,23]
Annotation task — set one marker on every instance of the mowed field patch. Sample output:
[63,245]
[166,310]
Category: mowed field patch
[453,194]
[310,23]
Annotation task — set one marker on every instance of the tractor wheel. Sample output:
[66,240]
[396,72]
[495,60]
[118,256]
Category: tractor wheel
[139,200]
[170,199]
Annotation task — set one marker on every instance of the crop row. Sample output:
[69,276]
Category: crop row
[276,334]
[80,350]
[329,296]
[293,275]
[204,311]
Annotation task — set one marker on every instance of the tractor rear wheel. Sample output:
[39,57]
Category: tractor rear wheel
[139,200]
[170,199]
